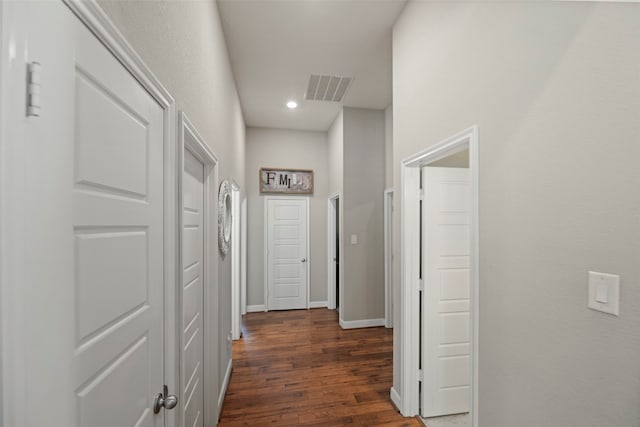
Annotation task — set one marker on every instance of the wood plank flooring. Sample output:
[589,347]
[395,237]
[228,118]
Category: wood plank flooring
[299,368]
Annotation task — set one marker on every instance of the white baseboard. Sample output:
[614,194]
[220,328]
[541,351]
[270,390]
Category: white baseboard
[366,323]
[225,385]
[318,304]
[395,398]
[255,308]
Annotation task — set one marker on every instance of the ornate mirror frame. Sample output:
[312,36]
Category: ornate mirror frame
[224,217]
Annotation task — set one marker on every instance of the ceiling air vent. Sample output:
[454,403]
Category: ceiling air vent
[327,88]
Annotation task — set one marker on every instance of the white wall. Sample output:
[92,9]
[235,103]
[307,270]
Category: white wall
[336,161]
[280,148]
[554,88]
[362,210]
[183,44]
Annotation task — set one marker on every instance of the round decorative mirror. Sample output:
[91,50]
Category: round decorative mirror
[224,217]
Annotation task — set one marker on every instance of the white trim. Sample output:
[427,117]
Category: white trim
[243,257]
[395,397]
[236,310]
[256,308]
[265,260]
[409,244]
[3,341]
[474,166]
[196,145]
[318,304]
[331,249]
[365,323]
[307,202]
[13,369]
[388,258]
[225,386]
[409,301]
[265,243]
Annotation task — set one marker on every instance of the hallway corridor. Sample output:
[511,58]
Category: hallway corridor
[299,368]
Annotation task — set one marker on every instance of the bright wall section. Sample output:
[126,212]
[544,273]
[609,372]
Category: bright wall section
[554,88]
[362,217]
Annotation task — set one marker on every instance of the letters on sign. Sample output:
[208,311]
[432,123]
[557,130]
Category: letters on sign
[288,181]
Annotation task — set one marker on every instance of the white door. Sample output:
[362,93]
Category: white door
[287,259]
[93,199]
[193,291]
[446,297]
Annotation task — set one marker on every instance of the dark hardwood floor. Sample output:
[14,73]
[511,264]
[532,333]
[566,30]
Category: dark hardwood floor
[299,368]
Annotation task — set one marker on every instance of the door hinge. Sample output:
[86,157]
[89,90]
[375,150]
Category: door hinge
[421,285]
[421,194]
[34,70]
[420,375]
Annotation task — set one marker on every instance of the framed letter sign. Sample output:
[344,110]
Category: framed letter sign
[287,181]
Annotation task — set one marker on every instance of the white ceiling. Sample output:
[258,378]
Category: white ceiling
[275,45]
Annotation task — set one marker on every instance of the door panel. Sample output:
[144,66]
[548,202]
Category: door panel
[287,253]
[193,292]
[446,303]
[111,271]
[125,369]
[108,133]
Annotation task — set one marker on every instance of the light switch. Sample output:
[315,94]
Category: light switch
[354,239]
[604,292]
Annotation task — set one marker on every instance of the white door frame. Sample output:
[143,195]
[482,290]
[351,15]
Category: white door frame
[388,258]
[410,259]
[189,139]
[332,216]
[266,246]
[236,313]
[14,297]
[243,257]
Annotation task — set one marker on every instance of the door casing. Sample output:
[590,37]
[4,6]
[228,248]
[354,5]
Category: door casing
[190,139]
[266,247]
[388,258]
[332,217]
[236,310]
[408,395]
[243,257]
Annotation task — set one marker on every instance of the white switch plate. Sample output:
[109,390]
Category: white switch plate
[354,239]
[604,287]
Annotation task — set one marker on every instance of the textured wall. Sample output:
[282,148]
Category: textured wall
[554,88]
[183,44]
[281,148]
[335,143]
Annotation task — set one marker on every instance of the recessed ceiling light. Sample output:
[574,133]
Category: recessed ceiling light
[292,104]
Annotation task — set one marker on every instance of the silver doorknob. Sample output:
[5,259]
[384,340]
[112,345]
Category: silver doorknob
[168,402]
[303,260]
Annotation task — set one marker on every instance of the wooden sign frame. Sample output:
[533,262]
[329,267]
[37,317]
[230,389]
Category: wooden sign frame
[285,181]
